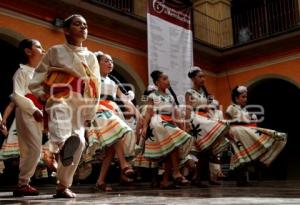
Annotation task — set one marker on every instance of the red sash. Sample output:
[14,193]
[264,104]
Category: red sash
[106,103]
[250,125]
[245,124]
[40,106]
[167,118]
[35,101]
[204,114]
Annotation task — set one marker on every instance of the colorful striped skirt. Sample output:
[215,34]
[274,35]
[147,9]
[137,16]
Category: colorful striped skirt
[142,162]
[129,138]
[208,133]
[163,137]
[252,143]
[10,147]
[129,142]
[106,129]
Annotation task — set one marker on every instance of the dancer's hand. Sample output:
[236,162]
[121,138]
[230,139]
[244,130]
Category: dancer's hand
[139,124]
[140,120]
[38,116]
[144,132]
[3,129]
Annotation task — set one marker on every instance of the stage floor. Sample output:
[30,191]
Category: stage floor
[265,193]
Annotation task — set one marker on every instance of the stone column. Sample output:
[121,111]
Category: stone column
[213,23]
[140,7]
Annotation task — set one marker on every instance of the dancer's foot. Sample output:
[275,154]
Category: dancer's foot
[103,187]
[68,150]
[180,180]
[25,190]
[125,181]
[128,172]
[64,193]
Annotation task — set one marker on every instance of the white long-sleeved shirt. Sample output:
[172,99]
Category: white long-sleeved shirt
[21,80]
[69,59]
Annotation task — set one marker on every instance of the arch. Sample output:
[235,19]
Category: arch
[280,97]
[261,78]
[9,41]
[130,75]
[11,36]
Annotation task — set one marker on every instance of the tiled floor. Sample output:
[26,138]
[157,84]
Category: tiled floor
[266,193]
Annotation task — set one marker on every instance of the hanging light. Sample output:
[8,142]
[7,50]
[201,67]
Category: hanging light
[58,22]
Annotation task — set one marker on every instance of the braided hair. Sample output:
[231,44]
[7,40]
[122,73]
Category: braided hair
[155,75]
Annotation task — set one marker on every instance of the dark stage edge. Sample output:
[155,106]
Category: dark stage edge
[263,193]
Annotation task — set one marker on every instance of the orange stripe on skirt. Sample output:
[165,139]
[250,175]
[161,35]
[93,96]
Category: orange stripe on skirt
[109,127]
[206,138]
[166,140]
[251,148]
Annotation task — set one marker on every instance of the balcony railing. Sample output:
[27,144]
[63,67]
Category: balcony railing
[273,17]
[119,5]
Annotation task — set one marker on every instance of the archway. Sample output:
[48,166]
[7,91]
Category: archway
[126,75]
[9,64]
[9,41]
[280,99]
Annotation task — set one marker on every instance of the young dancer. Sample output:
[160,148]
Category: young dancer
[28,116]
[68,81]
[163,130]
[248,141]
[207,132]
[108,128]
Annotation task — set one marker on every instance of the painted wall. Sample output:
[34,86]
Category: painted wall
[285,69]
[48,35]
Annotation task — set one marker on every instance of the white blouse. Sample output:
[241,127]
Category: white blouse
[162,103]
[108,87]
[198,98]
[236,112]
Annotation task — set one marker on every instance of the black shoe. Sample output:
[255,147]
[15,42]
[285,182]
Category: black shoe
[68,150]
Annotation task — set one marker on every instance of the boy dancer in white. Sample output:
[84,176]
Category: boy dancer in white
[68,80]
[28,116]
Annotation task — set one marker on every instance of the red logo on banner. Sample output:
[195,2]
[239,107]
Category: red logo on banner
[176,13]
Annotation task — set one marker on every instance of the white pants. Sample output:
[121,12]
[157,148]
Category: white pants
[66,119]
[30,134]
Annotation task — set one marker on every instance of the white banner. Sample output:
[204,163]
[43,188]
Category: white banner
[170,42]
